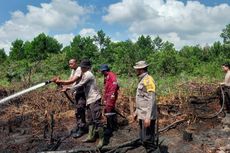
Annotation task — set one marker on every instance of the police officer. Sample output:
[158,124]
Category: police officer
[146,109]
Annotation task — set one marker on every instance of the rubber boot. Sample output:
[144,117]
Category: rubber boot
[91,134]
[74,130]
[81,131]
[101,137]
[114,123]
[109,130]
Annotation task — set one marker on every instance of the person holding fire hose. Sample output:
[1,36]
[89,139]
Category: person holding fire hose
[226,86]
[110,96]
[80,100]
[93,103]
[146,108]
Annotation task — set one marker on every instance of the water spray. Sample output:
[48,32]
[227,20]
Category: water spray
[24,91]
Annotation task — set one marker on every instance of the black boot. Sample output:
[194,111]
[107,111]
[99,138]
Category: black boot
[114,121]
[74,130]
[111,125]
[81,131]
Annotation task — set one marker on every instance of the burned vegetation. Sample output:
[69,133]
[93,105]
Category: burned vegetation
[41,121]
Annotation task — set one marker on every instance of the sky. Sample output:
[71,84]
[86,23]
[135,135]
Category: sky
[182,22]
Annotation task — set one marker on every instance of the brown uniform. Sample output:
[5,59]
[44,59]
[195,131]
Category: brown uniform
[93,97]
[146,109]
[146,98]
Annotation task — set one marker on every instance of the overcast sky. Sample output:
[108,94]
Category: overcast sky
[179,21]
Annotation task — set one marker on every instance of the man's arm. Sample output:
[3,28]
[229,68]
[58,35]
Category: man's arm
[85,78]
[151,96]
[151,101]
[71,80]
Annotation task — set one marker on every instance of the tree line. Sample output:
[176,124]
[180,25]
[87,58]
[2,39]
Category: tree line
[46,56]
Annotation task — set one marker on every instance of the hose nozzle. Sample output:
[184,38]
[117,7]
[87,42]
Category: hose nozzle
[48,82]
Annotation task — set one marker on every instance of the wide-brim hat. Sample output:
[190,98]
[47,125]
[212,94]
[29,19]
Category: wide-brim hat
[140,65]
[85,63]
[104,67]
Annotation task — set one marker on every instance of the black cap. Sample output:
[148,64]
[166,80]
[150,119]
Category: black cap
[85,63]
[104,67]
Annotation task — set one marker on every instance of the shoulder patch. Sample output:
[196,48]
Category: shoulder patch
[149,84]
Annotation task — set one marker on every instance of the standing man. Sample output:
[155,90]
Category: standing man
[226,86]
[93,103]
[80,100]
[110,96]
[146,109]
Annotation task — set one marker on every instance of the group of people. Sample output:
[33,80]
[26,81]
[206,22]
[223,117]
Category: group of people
[88,100]
[90,104]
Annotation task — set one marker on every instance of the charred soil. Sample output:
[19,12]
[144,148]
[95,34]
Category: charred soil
[42,120]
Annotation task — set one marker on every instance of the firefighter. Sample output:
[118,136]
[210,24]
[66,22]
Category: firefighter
[110,96]
[93,103]
[80,100]
[146,108]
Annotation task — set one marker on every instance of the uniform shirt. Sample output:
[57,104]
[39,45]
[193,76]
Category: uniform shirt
[110,89]
[77,73]
[88,81]
[227,79]
[146,98]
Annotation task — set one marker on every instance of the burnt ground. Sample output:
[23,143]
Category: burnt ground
[41,121]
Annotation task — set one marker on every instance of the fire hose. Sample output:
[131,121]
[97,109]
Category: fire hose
[68,97]
[220,110]
[24,91]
